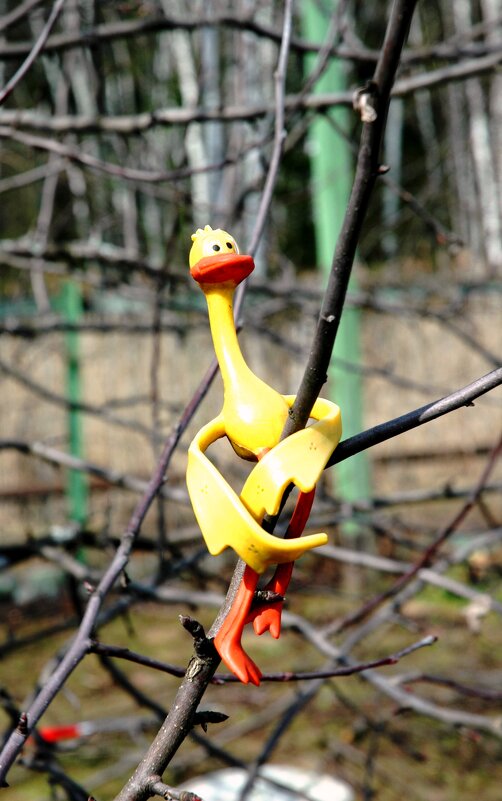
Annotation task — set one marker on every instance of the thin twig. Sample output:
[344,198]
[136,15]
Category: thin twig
[279,131]
[62,459]
[202,667]
[76,154]
[281,677]
[17,13]
[431,411]
[367,169]
[82,641]
[451,49]
[34,52]
[430,551]
[72,405]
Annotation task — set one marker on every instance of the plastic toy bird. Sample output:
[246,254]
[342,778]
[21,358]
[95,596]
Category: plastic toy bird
[252,418]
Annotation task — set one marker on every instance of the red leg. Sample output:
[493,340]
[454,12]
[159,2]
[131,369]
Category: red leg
[228,639]
[267,617]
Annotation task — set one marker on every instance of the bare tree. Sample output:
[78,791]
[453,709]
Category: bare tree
[123,129]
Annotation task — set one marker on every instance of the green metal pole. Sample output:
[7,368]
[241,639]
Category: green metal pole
[77,488]
[332,174]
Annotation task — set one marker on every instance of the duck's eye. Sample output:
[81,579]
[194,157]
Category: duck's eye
[216,247]
[229,245]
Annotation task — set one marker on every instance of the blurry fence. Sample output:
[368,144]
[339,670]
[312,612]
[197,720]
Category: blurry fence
[135,384]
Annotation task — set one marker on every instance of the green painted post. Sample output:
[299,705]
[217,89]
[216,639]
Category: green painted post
[77,488]
[332,174]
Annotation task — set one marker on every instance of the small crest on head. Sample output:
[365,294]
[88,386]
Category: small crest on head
[201,231]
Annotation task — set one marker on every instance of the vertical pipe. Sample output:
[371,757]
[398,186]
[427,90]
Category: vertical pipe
[77,489]
[332,173]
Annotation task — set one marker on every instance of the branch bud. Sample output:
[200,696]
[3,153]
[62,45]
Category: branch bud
[363,101]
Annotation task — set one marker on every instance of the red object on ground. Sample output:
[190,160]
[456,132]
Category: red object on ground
[54,734]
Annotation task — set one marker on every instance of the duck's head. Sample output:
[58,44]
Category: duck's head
[215,258]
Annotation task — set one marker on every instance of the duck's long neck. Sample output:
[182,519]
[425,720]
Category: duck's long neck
[226,345]
[254,414]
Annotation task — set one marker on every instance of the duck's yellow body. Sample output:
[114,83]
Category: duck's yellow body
[228,519]
[252,418]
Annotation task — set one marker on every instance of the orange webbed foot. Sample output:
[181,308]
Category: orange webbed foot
[228,640]
[267,617]
[236,659]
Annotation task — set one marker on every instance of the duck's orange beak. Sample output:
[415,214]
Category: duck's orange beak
[222,268]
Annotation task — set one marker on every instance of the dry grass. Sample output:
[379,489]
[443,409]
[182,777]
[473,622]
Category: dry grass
[347,730]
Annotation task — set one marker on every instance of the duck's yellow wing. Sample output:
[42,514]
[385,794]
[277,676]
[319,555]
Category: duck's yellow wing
[226,521]
[299,459]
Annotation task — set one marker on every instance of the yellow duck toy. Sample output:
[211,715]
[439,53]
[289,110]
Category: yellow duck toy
[252,418]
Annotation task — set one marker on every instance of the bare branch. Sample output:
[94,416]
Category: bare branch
[458,45]
[429,553]
[34,52]
[406,422]
[17,13]
[79,156]
[61,459]
[82,641]
[87,408]
[134,124]
[367,170]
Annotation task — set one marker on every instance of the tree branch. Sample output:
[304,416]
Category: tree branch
[82,641]
[393,428]
[130,124]
[34,52]
[367,168]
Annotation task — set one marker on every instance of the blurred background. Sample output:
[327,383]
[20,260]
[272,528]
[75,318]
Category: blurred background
[138,123]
